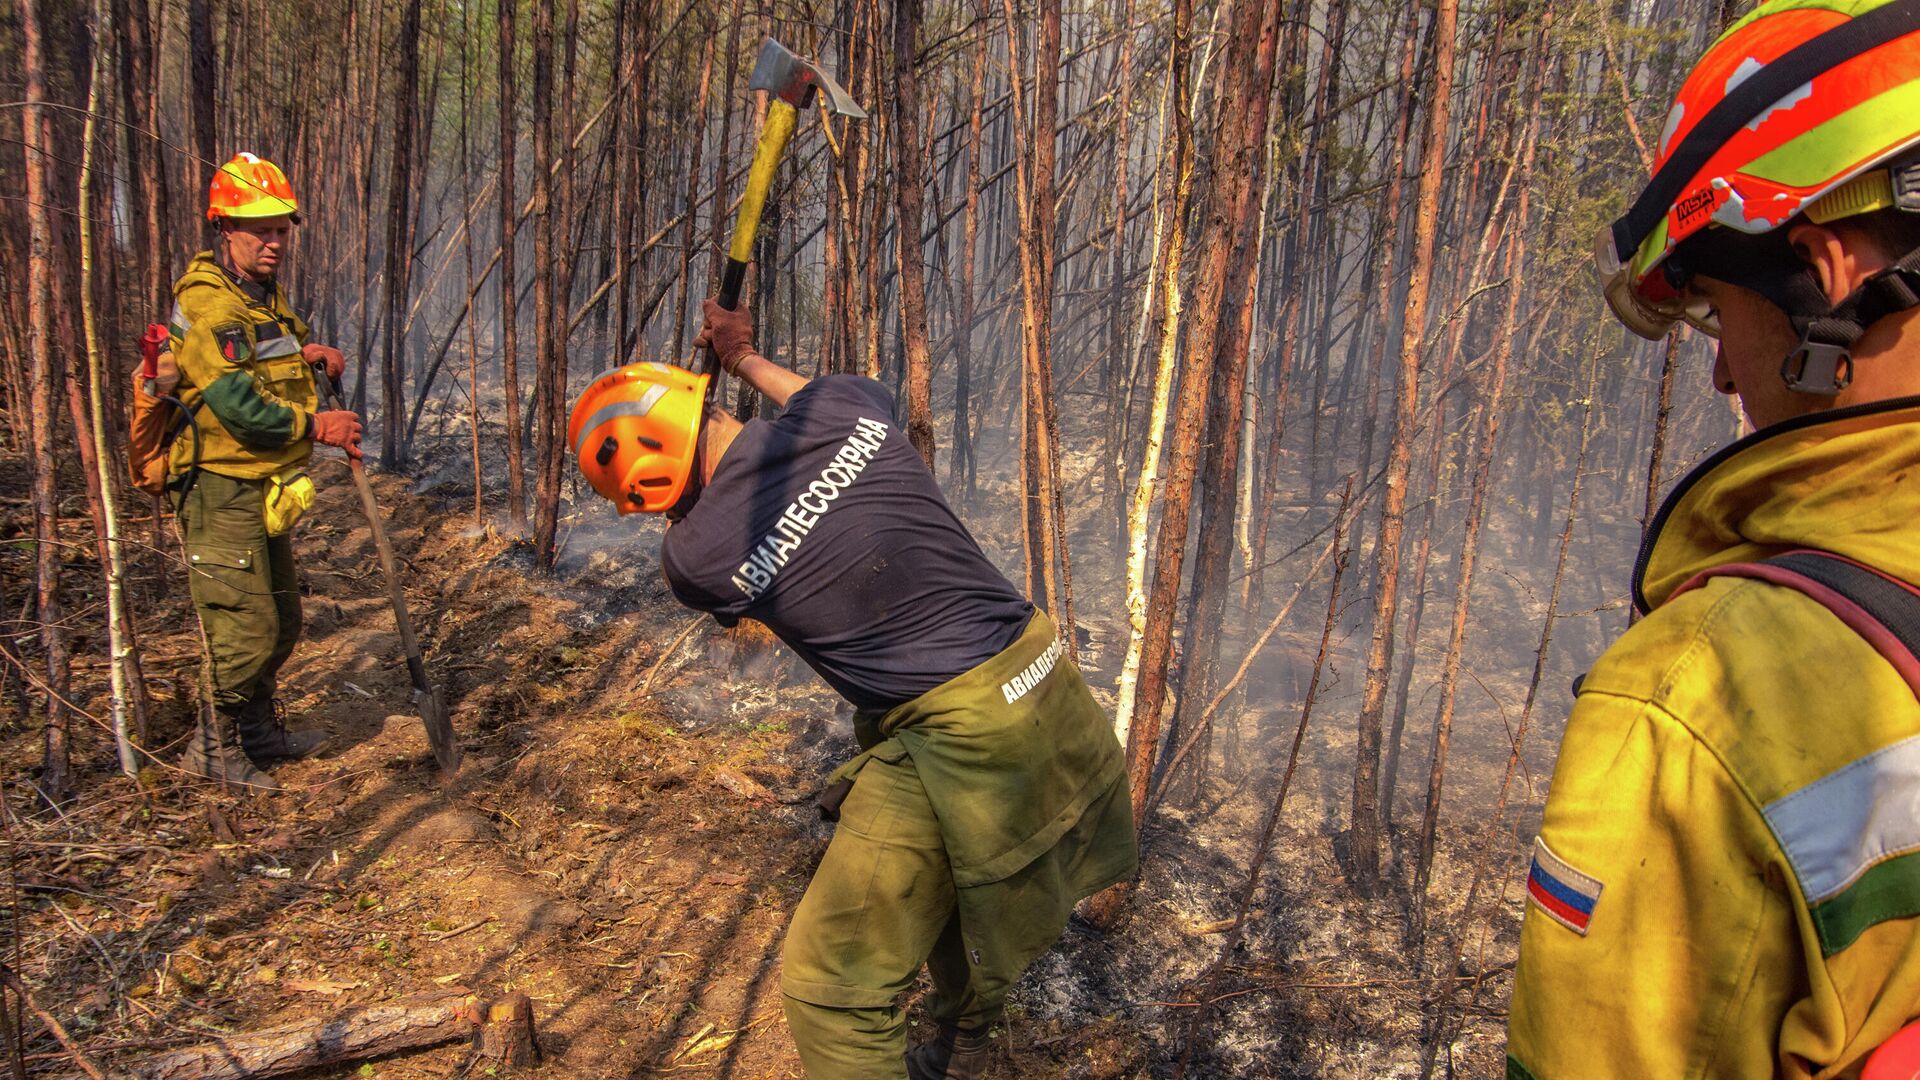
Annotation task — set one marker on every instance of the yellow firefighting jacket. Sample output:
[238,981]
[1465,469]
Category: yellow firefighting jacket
[1727,877]
[240,359]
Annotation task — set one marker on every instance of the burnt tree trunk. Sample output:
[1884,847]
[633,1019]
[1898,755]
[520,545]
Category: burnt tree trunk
[1240,151]
[689,231]
[546,503]
[1365,842]
[509,283]
[909,191]
[43,381]
[393,395]
[961,471]
[1226,223]
[200,64]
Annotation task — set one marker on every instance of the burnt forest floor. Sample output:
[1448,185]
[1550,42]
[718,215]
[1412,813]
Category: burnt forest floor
[633,825]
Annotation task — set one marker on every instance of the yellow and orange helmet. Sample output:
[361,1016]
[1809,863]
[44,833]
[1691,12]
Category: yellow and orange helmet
[1802,107]
[634,432]
[251,187]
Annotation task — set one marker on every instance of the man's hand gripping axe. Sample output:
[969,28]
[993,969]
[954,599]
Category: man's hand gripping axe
[791,82]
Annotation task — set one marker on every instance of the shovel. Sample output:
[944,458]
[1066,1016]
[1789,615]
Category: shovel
[426,696]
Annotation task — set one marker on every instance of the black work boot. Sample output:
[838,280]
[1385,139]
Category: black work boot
[264,734]
[213,751]
[955,1054]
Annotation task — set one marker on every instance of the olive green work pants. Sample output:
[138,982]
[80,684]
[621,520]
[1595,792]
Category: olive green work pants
[243,583]
[881,904]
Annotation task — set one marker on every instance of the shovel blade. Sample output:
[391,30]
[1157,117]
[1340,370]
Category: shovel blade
[433,713]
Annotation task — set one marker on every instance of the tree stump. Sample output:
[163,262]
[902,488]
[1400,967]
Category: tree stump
[506,1039]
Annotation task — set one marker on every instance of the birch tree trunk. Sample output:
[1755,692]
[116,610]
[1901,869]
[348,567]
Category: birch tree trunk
[1117,275]
[1239,109]
[118,647]
[1172,222]
[1239,150]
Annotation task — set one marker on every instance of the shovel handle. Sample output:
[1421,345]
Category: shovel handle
[439,729]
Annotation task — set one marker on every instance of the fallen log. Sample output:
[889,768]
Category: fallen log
[499,1033]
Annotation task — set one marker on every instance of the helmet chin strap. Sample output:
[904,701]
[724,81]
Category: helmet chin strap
[1823,361]
[690,492]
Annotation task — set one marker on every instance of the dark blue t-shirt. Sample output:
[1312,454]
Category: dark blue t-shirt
[824,524]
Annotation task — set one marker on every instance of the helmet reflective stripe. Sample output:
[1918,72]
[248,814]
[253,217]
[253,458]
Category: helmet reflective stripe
[618,409]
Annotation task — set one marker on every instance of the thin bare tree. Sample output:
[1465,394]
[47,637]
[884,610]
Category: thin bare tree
[1365,841]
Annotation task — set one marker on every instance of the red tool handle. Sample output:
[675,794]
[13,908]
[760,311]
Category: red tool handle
[150,344]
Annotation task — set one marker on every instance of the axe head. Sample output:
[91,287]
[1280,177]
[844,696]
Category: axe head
[793,80]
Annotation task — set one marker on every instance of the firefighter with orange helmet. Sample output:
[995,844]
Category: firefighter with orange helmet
[236,475]
[989,796]
[1726,882]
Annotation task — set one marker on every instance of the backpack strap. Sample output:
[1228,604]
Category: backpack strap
[1882,609]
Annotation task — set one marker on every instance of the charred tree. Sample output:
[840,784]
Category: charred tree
[546,502]
[56,782]
[1240,157]
[393,395]
[1365,840]
[961,464]
[509,283]
[687,243]
[1226,224]
[206,143]
[909,189]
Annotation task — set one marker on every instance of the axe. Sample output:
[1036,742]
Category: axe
[792,82]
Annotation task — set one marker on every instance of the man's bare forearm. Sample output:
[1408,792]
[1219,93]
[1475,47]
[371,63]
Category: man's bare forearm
[774,382]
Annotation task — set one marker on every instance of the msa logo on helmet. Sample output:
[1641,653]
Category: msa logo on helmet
[1688,211]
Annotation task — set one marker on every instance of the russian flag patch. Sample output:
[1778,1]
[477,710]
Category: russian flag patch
[1565,894]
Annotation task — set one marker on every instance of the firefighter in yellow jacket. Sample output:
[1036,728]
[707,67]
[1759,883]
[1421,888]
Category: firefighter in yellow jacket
[236,476]
[1727,879]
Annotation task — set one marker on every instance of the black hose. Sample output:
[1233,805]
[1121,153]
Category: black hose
[193,467]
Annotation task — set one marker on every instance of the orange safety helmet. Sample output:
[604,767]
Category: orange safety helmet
[634,432]
[1802,108]
[251,187]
